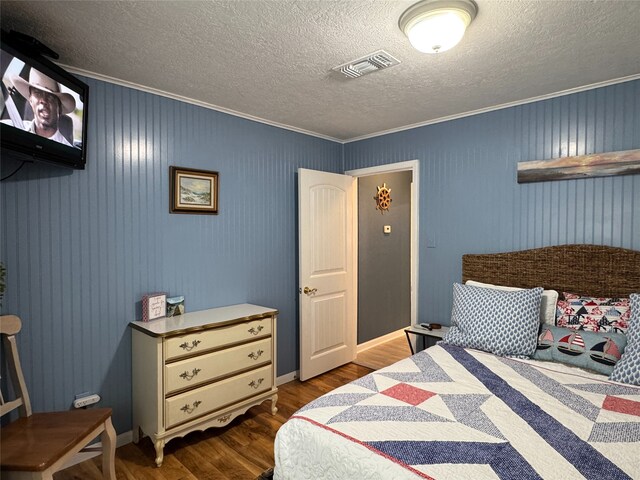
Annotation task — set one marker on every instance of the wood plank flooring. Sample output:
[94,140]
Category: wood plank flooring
[240,451]
[385,354]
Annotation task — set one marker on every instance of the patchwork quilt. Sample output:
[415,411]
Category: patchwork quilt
[449,412]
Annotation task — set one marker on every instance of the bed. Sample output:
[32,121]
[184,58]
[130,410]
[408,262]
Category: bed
[457,412]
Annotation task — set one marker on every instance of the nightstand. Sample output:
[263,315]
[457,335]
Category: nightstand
[424,333]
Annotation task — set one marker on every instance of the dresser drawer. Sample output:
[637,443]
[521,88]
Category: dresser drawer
[203,368]
[198,402]
[180,346]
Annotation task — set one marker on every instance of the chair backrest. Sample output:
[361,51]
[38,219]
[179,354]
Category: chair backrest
[10,325]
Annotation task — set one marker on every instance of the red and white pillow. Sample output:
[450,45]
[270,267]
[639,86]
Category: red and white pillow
[593,314]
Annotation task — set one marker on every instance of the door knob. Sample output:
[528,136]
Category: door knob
[309,291]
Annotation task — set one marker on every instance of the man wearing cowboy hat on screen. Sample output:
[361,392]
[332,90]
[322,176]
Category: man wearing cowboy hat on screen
[47,103]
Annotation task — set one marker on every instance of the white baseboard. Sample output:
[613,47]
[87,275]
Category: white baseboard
[377,341]
[287,377]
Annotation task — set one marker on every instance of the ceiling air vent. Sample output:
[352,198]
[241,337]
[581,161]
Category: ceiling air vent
[369,63]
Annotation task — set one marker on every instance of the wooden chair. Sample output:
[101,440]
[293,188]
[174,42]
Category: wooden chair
[37,445]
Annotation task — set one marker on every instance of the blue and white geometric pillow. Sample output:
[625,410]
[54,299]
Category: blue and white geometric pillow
[501,322]
[627,370]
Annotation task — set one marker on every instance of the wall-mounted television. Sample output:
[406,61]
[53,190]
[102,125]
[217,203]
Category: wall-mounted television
[44,107]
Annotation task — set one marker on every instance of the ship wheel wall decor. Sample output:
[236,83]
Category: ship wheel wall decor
[383,198]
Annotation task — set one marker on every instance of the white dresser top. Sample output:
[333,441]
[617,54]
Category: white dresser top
[193,321]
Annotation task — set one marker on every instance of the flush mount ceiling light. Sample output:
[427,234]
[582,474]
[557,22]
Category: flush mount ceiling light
[435,26]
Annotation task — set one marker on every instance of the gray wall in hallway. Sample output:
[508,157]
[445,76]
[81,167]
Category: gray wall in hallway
[384,260]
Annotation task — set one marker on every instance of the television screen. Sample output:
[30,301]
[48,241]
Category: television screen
[44,107]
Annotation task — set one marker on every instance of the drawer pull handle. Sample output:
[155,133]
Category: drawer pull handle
[188,376]
[187,409]
[255,384]
[256,330]
[255,355]
[188,347]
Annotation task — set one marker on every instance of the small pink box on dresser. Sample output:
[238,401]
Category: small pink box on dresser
[154,305]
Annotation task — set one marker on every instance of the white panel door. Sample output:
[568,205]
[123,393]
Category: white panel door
[328,315]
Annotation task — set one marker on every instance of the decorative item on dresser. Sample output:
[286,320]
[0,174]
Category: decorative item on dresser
[154,306]
[201,370]
[175,306]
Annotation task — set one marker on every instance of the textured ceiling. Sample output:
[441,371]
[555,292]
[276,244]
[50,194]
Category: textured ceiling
[272,59]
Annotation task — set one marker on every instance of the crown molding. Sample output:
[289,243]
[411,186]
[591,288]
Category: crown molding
[516,103]
[180,98]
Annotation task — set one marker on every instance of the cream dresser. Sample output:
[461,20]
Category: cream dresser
[200,370]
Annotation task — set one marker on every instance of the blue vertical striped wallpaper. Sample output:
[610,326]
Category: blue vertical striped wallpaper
[82,247]
[470,200]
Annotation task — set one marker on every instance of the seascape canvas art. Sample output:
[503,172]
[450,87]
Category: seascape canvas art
[583,166]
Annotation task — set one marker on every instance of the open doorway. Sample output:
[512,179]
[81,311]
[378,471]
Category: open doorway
[387,254]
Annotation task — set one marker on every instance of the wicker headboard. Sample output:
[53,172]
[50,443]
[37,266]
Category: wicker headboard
[592,270]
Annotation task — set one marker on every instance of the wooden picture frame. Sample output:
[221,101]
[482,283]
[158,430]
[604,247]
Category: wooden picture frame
[193,191]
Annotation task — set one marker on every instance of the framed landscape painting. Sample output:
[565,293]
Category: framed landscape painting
[193,191]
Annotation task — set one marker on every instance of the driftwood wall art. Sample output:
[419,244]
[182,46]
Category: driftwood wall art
[583,166]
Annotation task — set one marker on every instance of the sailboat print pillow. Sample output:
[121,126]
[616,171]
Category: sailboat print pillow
[594,351]
[593,314]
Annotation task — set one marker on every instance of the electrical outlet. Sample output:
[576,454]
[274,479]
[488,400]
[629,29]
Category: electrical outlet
[86,400]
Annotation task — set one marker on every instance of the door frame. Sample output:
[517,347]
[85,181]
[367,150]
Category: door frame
[414,167]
